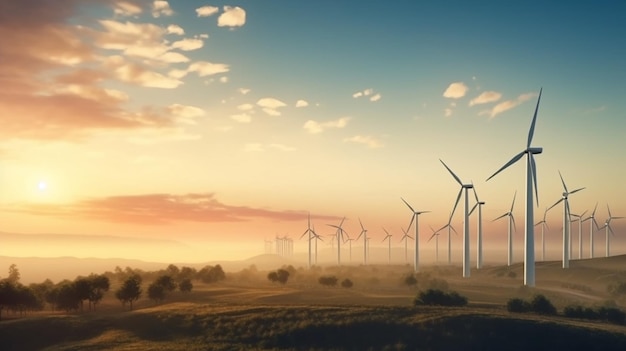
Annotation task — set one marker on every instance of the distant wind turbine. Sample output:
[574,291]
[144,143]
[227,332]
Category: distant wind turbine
[479,238]
[607,227]
[466,251]
[316,237]
[531,182]
[339,234]
[388,238]
[311,233]
[566,221]
[593,222]
[405,238]
[450,228]
[544,225]
[415,218]
[580,232]
[436,236]
[364,234]
[512,227]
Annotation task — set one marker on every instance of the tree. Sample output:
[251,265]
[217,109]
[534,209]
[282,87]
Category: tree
[166,282]
[410,280]
[346,283]
[542,305]
[187,273]
[172,270]
[156,292]
[439,298]
[210,274]
[517,305]
[8,295]
[185,285]
[283,276]
[14,274]
[67,298]
[82,289]
[130,290]
[272,276]
[330,280]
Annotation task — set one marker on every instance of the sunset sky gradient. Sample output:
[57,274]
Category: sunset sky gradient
[221,124]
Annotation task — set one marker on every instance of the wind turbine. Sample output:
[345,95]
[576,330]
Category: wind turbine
[450,228]
[544,225]
[593,222]
[414,217]
[310,232]
[406,237]
[339,235]
[436,236]
[512,226]
[479,239]
[580,232]
[388,238]
[466,248]
[566,220]
[531,182]
[364,234]
[607,226]
[316,237]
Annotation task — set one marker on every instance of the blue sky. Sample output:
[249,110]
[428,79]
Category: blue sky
[272,109]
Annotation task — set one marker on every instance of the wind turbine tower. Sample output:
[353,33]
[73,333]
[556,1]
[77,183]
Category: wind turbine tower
[311,233]
[339,235]
[512,227]
[466,248]
[364,234]
[544,225]
[415,218]
[479,238]
[388,238]
[405,238]
[531,182]
[566,221]
[436,236]
[607,227]
[580,232]
[593,222]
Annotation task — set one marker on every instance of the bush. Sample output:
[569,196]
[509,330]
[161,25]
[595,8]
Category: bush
[612,315]
[410,280]
[272,276]
[185,285]
[435,297]
[346,283]
[540,304]
[280,276]
[330,280]
[580,312]
[517,305]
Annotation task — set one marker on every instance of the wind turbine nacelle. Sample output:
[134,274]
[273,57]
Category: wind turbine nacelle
[535,150]
[468,186]
[481,202]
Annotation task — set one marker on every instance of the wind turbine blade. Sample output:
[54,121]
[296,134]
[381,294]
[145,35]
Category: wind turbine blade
[531,132]
[361,223]
[513,203]
[458,197]
[472,210]
[594,210]
[343,219]
[454,175]
[596,224]
[609,210]
[582,215]
[504,215]
[562,181]
[305,232]
[431,228]
[475,195]
[569,213]
[577,190]
[611,230]
[617,217]
[556,203]
[546,223]
[514,225]
[386,232]
[411,208]
[454,230]
[431,237]
[533,169]
[411,223]
[512,161]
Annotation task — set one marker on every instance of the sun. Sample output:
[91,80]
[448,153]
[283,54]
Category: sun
[42,186]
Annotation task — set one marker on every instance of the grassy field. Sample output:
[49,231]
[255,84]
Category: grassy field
[250,313]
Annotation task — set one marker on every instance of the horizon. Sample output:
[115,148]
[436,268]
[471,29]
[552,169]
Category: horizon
[220,125]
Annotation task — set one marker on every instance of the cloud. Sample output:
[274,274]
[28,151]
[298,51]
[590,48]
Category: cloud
[185,114]
[369,141]
[375,98]
[232,17]
[224,79]
[204,68]
[485,97]
[188,44]
[206,11]
[358,94]
[270,106]
[367,92]
[302,103]
[243,91]
[455,90]
[125,8]
[507,105]
[160,209]
[133,73]
[242,118]
[314,127]
[447,112]
[161,7]
[175,29]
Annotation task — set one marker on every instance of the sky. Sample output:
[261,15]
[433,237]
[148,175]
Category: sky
[223,124]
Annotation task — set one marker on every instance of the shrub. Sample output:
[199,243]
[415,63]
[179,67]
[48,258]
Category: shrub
[346,283]
[272,276]
[540,304]
[185,285]
[580,312]
[435,297]
[612,315]
[283,275]
[410,280]
[329,280]
[517,305]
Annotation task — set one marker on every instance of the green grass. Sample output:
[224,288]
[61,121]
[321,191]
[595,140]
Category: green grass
[189,326]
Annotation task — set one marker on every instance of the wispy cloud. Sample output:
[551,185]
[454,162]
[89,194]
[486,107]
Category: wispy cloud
[369,141]
[161,8]
[507,105]
[375,98]
[485,97]
[302,103]
[232,17]
[126,8]
[243,91]
[367,92]
[175,29]
[159,209]
[270,106]
[206,11]
[315,127]
[455,90]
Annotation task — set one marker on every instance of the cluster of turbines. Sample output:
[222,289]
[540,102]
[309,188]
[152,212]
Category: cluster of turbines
[283,246]
[529,151]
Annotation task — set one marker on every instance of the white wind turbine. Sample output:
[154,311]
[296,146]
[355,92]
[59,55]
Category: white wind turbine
[466,248]
[580,232]
[316,237]
[388,238]
[339,235]
[311,233]
[512,227]
[531,182]
[415,218]
[607,227]
[479,238]
[544,225]
[566,221]
[406,237]
[593,222]
[436,236]
[450,228]
[364,234]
